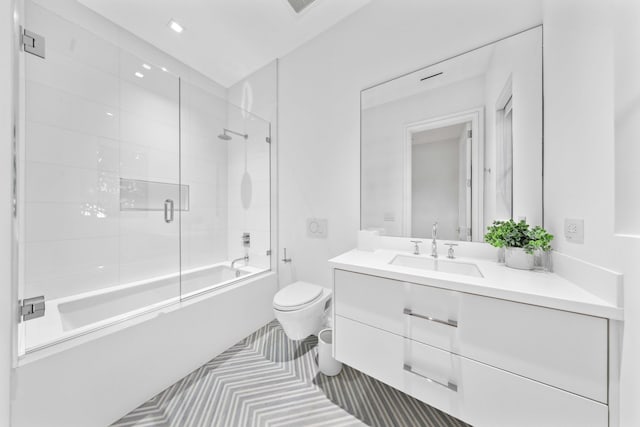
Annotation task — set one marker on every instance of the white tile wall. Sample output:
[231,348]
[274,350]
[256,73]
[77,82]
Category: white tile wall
[204,170]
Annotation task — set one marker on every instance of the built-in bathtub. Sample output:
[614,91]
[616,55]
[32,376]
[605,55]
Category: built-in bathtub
[79,314]
[115,364]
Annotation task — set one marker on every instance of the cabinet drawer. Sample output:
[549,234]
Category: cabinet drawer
[559,348]
[474,392]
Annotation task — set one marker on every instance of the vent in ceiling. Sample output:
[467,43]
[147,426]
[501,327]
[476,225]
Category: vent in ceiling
[300,5]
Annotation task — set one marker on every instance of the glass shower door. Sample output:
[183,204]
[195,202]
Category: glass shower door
[225,160]
[99,182]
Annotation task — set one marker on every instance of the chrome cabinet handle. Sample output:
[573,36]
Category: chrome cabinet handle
[449,385]
[168,211]
[452,323]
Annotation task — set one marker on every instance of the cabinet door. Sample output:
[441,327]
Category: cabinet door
[471,391]
[559,348]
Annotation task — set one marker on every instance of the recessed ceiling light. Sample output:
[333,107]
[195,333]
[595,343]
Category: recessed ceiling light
[139,74]
[175,26]
[164,69]
[146,66]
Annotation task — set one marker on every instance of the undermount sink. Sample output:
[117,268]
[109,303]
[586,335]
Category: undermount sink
[434,264]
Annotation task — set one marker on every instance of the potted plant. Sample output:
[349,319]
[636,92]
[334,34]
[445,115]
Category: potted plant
[519,242]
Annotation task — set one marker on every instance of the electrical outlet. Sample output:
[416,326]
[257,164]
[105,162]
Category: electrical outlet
[574,230]
[317,228]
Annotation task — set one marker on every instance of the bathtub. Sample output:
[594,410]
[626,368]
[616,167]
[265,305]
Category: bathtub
[95,378]
[81,314]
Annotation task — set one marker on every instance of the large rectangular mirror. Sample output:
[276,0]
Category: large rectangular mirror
[458,143]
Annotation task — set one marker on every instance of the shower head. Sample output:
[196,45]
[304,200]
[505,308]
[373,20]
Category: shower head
[225,137]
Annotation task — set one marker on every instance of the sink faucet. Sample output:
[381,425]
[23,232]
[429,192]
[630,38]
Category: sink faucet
[416,249]
[434,244]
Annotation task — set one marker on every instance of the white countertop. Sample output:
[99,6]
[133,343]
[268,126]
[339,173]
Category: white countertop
[531,287]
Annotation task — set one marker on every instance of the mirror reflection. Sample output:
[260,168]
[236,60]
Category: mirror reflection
[458,143]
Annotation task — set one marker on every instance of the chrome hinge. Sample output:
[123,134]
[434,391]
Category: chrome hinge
[468,183]
[31,308]
[469,133]
[33,43]
[268,139]
[268,251]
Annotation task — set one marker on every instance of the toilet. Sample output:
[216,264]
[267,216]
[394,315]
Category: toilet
[302,309]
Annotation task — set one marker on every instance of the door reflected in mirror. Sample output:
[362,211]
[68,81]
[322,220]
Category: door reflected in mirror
[458,143]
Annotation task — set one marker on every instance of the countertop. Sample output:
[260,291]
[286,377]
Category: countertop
[530,287]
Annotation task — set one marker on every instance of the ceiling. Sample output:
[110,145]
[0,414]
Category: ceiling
[225,39]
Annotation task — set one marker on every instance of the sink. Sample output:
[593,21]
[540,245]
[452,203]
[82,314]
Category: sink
[434,264]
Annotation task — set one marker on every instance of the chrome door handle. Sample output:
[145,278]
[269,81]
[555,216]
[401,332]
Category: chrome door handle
[449,385]
[452,323]
[168,211]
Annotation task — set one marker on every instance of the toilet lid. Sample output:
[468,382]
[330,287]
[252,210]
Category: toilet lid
[296,295]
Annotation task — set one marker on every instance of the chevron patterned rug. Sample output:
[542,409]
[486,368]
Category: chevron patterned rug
[267,380]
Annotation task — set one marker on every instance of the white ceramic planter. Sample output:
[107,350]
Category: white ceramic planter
[518,258]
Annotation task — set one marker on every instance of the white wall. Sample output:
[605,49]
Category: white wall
[627,135]
[319,100]
[6,130]
[579,127]
[627,116]
[585,112]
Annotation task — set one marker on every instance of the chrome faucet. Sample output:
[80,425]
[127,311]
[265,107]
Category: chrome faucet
[434,244]
[244,258]
[416,249]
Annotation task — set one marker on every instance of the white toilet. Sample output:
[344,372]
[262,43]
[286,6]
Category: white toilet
[302,309]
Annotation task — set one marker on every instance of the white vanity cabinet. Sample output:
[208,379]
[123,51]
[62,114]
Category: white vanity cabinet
[487,361]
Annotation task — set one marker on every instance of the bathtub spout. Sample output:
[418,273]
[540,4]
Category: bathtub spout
[233,263]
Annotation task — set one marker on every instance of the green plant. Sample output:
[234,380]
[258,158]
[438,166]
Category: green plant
[518,235]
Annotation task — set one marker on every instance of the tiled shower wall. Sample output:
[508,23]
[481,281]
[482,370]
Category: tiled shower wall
[204,170]
[89,122]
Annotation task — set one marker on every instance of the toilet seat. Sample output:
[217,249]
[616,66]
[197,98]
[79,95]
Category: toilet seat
[296,296]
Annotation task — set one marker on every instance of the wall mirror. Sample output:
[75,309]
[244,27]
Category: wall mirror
[458,143]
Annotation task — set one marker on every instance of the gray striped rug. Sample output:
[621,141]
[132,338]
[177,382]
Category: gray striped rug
[268,380]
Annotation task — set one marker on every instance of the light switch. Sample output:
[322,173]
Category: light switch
[317,228]
[574,230]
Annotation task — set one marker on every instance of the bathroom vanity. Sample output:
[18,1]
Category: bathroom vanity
[490,345]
